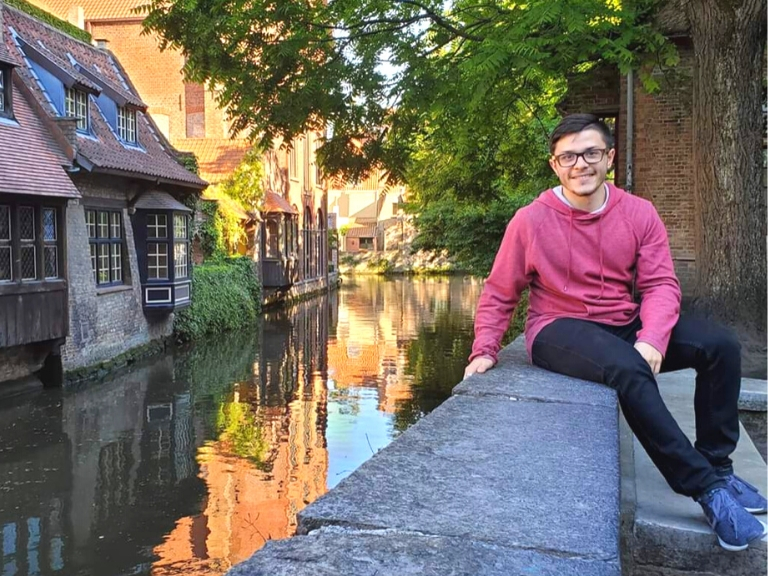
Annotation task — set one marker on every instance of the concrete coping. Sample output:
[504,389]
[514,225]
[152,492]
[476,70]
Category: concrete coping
[516,473]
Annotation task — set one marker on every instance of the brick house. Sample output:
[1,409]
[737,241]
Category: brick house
[291,244]
[368,209]
[94,254]
[653,159]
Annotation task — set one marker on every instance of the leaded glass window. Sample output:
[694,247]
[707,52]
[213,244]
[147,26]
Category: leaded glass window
[105,235]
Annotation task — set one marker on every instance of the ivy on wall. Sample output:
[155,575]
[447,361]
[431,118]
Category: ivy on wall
[48,18]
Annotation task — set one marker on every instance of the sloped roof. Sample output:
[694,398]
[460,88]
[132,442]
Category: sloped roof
[159,200]
[93,9]
[275,203]
[99,151]
[31,162]
[217,158]
[362,232]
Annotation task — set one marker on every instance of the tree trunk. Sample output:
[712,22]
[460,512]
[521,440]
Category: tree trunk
[729,46]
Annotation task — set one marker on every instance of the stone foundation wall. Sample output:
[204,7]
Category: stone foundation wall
[21,361]
[104,322]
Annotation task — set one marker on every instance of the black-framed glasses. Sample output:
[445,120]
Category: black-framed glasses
[591,156]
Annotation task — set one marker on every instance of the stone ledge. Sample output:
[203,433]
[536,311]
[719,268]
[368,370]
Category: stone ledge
[515,377]
[398,553]
[501,479]
[754,395]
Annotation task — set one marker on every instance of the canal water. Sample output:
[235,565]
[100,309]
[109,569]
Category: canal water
[189,462]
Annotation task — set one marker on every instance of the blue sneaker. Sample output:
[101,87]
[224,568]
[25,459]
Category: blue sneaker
[746,495]
[734,526]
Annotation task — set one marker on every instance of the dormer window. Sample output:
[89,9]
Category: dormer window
[5,91]
[126,124]
[76,105]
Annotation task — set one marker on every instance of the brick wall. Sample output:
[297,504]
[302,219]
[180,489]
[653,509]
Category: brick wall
[662,151]
[156,75]
[104,322]
[663,157]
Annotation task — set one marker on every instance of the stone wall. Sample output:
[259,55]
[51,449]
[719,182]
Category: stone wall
[104,322]
[20,361]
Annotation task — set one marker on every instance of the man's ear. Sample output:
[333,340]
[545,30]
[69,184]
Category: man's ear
[552,164]
[611,156]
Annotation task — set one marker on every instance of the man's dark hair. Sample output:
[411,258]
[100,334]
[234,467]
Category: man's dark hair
[575,123]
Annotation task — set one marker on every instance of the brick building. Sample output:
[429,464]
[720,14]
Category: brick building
[660,144]
[94,253]
[292,239]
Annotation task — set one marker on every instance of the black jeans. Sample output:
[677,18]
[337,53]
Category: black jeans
[606,354]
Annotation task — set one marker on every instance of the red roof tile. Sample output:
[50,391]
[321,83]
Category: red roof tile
[217,158]
[362,232]
[31,162]
[101,150]
[93,9]
[276,203]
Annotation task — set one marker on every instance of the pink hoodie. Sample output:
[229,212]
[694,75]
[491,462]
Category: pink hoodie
[581,265]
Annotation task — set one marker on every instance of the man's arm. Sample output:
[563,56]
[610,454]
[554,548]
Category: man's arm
[658,287]
[505,284]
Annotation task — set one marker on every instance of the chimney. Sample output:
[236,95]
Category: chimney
[76,16]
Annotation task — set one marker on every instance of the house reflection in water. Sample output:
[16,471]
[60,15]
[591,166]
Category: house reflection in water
[92,480]
[189,463]
[256,488]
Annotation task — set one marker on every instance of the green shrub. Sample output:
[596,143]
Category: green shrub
[225,296]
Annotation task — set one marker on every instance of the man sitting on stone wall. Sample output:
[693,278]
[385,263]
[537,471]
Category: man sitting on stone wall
[580,247]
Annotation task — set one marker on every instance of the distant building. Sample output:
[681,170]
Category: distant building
[366,210]
[94,234]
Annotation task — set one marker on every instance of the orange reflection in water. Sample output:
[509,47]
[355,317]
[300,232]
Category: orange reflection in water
[251,501]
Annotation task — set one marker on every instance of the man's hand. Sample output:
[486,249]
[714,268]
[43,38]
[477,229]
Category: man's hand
[650,355]
[478,366]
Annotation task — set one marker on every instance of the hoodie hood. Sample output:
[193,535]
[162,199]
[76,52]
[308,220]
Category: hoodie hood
[549,199]
[580,217]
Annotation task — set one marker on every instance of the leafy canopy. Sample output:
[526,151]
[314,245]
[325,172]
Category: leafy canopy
[383,74]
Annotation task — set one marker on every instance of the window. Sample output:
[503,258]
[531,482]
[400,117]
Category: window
[5,91]
[273,238]
[180,246]
[29,243]
[293,163]
[105,238]
[157,226]
[126,125]
[76,105]
[50,247]
[318,171]
[157,261]
[157,252]
[366,243]
[6,250]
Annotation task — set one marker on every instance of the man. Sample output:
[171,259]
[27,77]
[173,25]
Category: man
[580,247]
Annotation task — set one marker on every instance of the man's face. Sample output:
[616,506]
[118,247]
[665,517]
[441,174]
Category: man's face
[583,178]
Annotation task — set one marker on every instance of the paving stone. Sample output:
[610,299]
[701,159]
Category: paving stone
[670,530]
[336,551]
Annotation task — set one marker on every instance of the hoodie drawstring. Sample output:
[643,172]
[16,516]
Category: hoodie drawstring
[600,248]
[570,250]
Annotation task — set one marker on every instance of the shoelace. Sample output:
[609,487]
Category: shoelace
[738,484]
[721,505]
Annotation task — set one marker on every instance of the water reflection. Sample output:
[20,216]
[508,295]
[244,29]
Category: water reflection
[189,463]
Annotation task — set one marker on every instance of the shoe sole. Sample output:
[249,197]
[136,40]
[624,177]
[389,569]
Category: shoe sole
[732,548]
[756,510]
